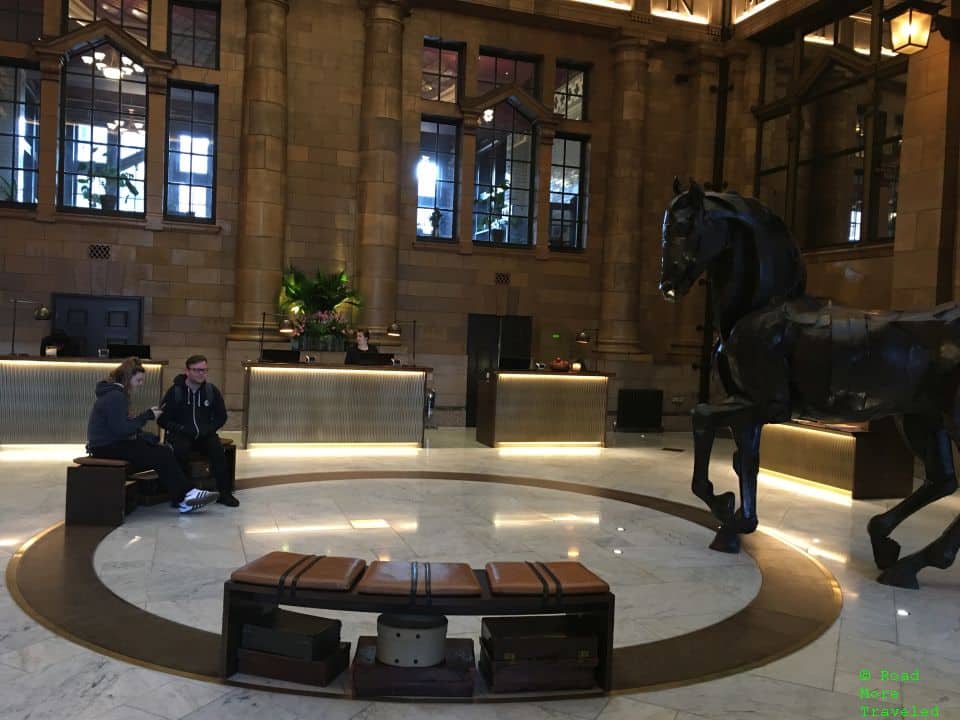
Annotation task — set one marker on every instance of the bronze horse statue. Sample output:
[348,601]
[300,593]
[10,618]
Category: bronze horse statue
[783,354]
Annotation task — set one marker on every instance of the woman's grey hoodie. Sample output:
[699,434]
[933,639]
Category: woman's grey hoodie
[109,420]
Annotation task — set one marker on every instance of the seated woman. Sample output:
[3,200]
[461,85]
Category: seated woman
[361,347]
[112,433]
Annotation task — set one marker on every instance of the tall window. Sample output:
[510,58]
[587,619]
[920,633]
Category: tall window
[195,32]
[19,127]
[503,191]
[569,92]
[567,194]
[440,77]
[496,70]
[21,20]
[103,132]
[131,15]
[191,133]
[437,180]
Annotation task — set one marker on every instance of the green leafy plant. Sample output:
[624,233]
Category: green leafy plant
[8,190]
[98,171]
[318,304]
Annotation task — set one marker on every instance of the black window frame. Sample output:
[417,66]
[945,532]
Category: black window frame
[26,7]
[61,141]
[66,19]
[577,67]
[19,64]
[582,196]
[178,217]
[213,5]
[459,48]
[458,128]
[500,54]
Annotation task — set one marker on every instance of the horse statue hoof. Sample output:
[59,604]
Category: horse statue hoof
[899,576]
[726,541]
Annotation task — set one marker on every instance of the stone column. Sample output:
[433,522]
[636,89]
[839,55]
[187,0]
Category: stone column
[546,132]
[263,150]
[925,255]
[468,160]
[378,191]
[620,298]
[156,147]
[50,67]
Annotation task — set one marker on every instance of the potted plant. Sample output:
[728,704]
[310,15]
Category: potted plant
[321,307]
[106,200]
[495,222]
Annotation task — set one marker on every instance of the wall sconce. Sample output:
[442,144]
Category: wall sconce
[41,313]
[393,330]
[584,336]
[912,21]
[285,327]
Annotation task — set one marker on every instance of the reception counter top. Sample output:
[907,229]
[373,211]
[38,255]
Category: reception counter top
[518,407]
[48,399]
[293,403]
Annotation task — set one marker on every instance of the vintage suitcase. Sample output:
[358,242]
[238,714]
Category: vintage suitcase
[309,672]
[420,578]
[292,571]
[551,579]
[541,637]
[537,675]
[454,677]
[293,635]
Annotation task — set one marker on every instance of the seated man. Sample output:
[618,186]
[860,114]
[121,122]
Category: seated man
[193,411]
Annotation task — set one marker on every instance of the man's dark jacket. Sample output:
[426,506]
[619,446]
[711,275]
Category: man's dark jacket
[192,414]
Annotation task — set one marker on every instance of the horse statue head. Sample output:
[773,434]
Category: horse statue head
[732,235]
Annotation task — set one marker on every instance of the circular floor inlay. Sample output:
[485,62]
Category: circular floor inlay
[672,593]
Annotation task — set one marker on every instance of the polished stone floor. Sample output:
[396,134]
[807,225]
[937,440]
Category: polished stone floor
[665,579]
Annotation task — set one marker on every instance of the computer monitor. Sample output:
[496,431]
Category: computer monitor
[280,356]
[120,350]
[370,358]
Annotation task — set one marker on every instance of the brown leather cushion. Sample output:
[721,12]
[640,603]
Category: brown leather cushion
[518,578]
[310,573]
[88,461]
[394,578]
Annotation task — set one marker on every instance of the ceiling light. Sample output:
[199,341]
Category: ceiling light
[138,68]
[125,60]
[87,59]
[111,73]
[902,613]
[100,55]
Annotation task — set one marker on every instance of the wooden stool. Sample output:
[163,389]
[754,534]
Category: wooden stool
[99,492]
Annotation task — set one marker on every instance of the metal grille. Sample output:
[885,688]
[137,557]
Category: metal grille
[98,252]
[502,278]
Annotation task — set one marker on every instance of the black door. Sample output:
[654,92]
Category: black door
[494,341]
[96,321]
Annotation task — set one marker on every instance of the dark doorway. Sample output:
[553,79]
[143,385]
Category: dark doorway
[96,321]
[495,341]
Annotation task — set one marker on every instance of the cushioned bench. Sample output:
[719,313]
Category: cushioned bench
[333,583]
[101,491]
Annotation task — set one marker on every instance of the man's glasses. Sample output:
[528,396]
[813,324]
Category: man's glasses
[198,369]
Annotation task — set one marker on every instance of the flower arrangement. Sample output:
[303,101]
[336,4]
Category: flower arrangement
[320,307]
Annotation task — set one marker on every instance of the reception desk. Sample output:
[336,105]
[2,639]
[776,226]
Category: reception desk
[541,408]
[871,460]
[48,400]
[326,404]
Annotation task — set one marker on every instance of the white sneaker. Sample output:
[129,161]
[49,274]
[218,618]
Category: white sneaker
[196,499]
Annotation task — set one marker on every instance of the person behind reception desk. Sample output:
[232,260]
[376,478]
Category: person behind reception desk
[112,433]
[361,347]
[193,411]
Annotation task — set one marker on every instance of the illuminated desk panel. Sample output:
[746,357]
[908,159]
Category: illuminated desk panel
[515,407]
[48,400]
[302,403]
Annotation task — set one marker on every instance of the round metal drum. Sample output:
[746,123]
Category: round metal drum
[411,640]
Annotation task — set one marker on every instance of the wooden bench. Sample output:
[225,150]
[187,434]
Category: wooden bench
[101,491]
[247,602]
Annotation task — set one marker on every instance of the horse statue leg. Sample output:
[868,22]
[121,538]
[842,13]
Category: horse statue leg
[939,554]
[746,464]
[706,419]
[930,441]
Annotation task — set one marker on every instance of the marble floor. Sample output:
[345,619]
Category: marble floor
[666,581]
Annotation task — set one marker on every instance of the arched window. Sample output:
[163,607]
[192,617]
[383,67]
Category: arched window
[503,192]
[103,132]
